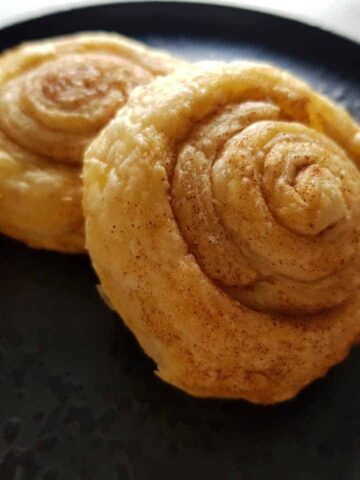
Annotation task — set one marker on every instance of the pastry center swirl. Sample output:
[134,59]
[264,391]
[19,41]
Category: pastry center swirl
[270,209]
[56,107]
[86,89]
[71,86]
[294,173]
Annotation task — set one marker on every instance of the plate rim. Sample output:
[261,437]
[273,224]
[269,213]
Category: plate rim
[48,14]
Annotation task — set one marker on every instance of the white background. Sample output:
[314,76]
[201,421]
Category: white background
[341,16]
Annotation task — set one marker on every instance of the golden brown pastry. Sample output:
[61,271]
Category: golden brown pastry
[222,208]
[55,96]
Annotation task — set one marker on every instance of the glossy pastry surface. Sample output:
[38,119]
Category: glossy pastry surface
[55,96]
[222,217]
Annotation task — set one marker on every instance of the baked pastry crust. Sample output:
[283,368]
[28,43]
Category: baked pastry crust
[55,96]
[222,217]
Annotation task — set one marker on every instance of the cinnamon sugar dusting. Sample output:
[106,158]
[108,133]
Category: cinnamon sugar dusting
[71,84]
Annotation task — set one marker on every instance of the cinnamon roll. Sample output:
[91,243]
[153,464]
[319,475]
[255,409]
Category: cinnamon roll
[222,217]
[55,96]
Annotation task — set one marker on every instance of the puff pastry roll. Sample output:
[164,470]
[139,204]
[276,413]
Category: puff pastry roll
[222,217]
[55,96]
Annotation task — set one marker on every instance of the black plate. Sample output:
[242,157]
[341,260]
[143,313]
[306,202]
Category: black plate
[85,401]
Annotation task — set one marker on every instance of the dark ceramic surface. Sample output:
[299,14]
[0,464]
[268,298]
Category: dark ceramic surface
[78,400]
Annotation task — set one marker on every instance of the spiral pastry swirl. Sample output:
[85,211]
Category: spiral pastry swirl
[55,96]
[224,228]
